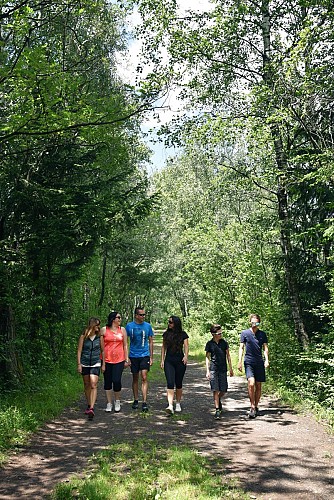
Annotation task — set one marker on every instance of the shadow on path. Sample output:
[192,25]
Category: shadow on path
[279,455]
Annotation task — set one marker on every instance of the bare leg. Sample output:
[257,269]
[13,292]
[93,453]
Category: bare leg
[135,378]
[93,390]
[221,395]
[109,397]
[87,386]
[144,385]
[216,398]
[258,386]
[251,391]
[117,395]
[178,395]
[170,396]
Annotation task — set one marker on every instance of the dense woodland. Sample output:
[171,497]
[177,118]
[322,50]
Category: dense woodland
[240,221]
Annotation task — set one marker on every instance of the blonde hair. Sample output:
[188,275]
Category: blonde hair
[92,323]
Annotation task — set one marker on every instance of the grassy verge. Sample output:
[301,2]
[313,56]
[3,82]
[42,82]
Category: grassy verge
[150,471]
[302,405]
[24,411]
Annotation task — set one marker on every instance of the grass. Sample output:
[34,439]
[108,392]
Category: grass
[24,411]
[302,405]
[146,470]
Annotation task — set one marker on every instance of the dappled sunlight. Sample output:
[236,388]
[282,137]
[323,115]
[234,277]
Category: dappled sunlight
[278,446]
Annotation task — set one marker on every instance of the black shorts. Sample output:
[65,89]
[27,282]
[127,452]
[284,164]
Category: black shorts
[139,364]
[256,371]
[91,370]
[218,381]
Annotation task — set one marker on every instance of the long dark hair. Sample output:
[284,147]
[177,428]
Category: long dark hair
[111,317]
[173,337]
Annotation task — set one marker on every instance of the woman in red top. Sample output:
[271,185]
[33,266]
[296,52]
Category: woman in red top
[116,357]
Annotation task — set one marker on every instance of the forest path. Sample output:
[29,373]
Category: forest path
[278,455]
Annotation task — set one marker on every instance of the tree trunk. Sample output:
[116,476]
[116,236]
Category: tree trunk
[286,247]
[11,368]
[282,195]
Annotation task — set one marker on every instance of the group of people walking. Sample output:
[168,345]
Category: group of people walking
[107,349]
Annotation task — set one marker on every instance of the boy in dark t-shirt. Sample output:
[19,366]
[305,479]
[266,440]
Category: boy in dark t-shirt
[217,357]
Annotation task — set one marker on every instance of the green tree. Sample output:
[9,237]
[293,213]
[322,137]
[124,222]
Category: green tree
[243,60]
[71,156]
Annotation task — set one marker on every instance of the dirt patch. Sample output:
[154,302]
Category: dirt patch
[279,455]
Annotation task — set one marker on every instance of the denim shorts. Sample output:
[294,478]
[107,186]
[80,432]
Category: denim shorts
[218,381]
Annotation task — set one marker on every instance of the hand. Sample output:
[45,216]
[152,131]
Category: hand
[208,375]
[266,364]
[79,368]
[240,366]
[151,361]
[103,367]
[185,360]
[231,373]
[162,365]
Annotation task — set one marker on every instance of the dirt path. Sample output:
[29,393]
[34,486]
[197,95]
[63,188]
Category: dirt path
[279,455]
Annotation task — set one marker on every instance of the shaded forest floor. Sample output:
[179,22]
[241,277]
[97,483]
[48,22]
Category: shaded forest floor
[279,455]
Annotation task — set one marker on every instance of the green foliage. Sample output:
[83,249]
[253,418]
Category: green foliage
[23,411]
[150,471]
[249,217]
[71,172]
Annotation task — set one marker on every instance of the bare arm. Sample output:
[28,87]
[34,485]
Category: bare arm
[163,354]
[80,344]
[103,367]
[125,346]
[229,361]
[241,352]
[186,351]
[207,364]
[266,355]
[150,341]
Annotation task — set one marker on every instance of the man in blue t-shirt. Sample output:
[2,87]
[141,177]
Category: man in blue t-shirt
[254,339]
[140,334]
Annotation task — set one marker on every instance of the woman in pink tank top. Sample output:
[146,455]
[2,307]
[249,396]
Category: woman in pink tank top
[116,357]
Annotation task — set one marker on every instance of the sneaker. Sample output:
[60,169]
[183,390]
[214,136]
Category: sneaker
[87,410]
[251,413]
[217,414]
[178,407]
[169,410]
[220,406]
[91,413]
[117,406]
[135,404]
[144,407]
[257,412]
[109,407]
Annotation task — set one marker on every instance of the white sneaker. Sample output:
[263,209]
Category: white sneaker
[109,407]
[117,406]
[169,410]
[178,407]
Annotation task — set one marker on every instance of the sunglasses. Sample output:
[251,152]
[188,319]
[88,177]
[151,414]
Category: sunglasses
[141,314]
[118,317]
[170,322]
